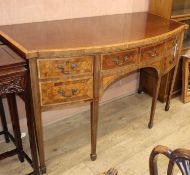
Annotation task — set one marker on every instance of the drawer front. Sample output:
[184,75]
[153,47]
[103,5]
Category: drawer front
[152,53]
[54,68]
[170,58]
[70,91]
[114,60]
[168,63]
[170,46]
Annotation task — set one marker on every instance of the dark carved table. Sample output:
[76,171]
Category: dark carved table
[13,78]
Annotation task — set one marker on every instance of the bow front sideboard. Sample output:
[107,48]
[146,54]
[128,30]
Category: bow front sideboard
[76,60]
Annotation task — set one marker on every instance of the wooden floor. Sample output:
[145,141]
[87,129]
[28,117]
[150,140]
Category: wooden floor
[124,141]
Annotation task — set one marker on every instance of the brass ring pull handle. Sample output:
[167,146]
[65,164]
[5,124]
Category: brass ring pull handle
[118,62]
[68,95]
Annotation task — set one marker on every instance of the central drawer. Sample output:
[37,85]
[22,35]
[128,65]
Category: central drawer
[57,92]
[152,53]
[119,59]
[60,67]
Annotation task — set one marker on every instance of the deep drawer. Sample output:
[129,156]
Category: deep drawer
[69,91]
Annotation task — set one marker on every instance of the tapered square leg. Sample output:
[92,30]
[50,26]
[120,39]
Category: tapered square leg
[94,128]
[154,101]
[31,127]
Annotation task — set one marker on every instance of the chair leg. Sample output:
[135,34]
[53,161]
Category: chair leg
[154,101]
[4,122]
[16,126]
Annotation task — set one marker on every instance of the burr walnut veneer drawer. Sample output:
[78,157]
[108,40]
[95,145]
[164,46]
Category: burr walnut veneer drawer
[152,53]
[169,60]
[54,68]
[61,92]
[114,60]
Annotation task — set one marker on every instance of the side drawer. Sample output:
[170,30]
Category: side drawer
[170,46]
[56,67]
[152,53]
[69,91]
[170,59]
[114,60]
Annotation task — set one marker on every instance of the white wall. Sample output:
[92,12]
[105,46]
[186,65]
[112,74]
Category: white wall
[22,11]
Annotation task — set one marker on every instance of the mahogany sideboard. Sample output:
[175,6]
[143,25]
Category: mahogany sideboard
[76,60]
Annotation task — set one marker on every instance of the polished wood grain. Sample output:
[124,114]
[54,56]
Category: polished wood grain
[176,57]
[56,92]
[161,8]
[35,102]
[9,58]
[87,32]
[115,60]
[99,40]
[61,67]
[169,60]
[152,53]
[167,9]
[179,157]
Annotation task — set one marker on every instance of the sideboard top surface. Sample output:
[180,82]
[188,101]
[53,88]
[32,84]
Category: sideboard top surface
[87,32]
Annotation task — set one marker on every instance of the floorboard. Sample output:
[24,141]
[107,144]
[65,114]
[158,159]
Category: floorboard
[124,141]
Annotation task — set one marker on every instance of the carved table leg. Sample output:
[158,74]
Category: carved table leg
[4,122]
[154,101]
[16,126]
[94,128]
